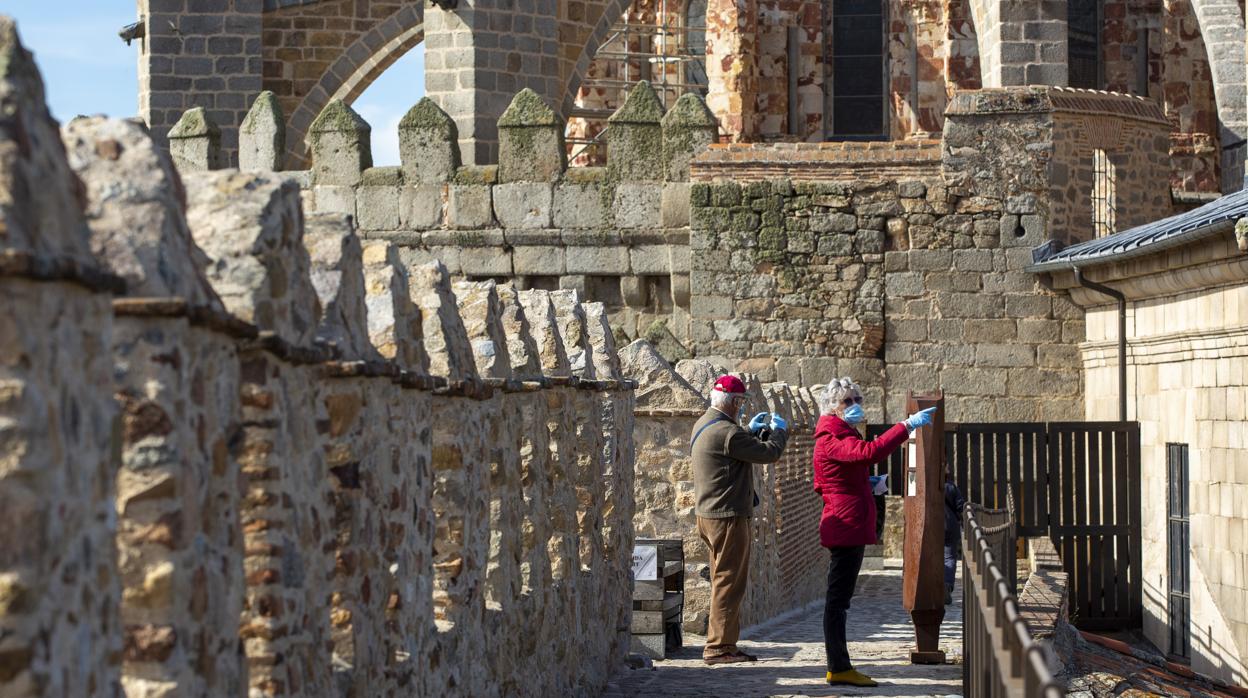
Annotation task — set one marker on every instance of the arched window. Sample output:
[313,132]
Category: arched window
[856,78]
[1083,43]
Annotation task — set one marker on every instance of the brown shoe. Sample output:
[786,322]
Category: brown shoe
[748,657]
[725,659]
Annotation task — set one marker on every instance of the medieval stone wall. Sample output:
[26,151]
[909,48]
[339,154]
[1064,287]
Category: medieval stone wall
[251,455]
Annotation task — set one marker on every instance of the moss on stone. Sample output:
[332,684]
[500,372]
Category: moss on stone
[265,112]
[426,115]
[690,112]
[700,195]
[194,124]
[726,195]
[338,117]
[476,174]
[744,220]
[584,175]
[642,106]
[771,238]
[528,109]
[382,176]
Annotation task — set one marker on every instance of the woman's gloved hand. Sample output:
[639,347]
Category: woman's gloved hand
[778,423]
[919,419]
[759,421]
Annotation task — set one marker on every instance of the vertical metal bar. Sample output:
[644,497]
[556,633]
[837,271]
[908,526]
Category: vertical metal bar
[794,69]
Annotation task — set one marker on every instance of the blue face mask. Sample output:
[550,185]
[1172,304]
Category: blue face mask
[853,414]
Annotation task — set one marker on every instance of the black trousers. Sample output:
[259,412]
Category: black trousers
[843,567]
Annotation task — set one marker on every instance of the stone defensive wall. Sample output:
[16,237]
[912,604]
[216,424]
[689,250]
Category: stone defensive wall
[900,263]
[246,453]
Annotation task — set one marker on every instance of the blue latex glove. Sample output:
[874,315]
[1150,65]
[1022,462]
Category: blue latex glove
[778,423]
[919,419]
[759,421]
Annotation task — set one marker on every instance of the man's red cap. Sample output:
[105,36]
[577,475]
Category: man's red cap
[729,384]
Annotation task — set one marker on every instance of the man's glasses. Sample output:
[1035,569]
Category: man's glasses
[852,401]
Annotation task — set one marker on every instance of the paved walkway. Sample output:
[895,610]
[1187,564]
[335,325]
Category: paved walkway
[791,657]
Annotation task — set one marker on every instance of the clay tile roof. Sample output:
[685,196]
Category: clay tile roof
[1210,219]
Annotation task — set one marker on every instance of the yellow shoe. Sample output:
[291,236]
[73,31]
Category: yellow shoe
[853,677]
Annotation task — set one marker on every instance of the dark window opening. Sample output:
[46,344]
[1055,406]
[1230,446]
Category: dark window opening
[857,76]
[658,293]
[1083,43]
[542,282]
[1179,549]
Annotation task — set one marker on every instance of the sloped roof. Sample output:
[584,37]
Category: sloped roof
[1198,223]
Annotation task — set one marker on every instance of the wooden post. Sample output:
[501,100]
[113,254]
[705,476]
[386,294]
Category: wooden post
[923,584]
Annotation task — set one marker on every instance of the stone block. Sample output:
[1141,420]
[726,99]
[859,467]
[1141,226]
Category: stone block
[420,206]
[1028,306]
[329,198]
[195,142]
[636,205]
[577,206]
[596,260]
[469,206]
[428,143]
[993,330]
[1004,354]
[674,208]
[681,290]
[904,284]
[262,135]
[972,260]
[834,223]
[377,207]
[710,307]
[523,204]
[540,260]
[688,128]
[530,141]
[339,145]
[633,291]
[635,137]
[1040,382]
[931,260]
[973,381]
[650,259]
[485,261]
[651,646]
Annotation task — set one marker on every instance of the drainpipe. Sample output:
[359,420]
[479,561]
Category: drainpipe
[1122,336]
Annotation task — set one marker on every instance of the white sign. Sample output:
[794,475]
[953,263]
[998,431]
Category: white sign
[645,562]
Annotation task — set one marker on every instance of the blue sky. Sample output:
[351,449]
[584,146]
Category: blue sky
[88,70]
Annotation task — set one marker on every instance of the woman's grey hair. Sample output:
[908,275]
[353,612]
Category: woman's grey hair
[831,396]
[721,400]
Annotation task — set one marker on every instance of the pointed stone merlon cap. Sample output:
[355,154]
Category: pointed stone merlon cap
[635,137]
[340,145]
[195,142]
[135,210]
[602,342]
[250,224]
[530,141]
[574,327]
[394,322]
[544,324]
[688,128]
[446,340]
[34,161]
[428,143]
[526,361]
[338,278]
[262,137]
[659,385]
[481,312]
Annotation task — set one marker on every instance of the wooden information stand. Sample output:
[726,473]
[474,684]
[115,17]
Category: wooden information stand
[923,581]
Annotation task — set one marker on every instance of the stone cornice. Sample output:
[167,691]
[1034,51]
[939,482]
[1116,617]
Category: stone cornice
[1228,342]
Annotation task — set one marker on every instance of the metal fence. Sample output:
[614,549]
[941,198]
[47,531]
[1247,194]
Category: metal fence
[1000,658]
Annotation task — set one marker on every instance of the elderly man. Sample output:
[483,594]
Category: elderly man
[723,482]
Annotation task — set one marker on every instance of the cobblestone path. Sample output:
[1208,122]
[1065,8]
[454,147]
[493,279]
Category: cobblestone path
[791,658]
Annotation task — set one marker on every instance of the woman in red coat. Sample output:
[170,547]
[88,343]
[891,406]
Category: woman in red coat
[842,465]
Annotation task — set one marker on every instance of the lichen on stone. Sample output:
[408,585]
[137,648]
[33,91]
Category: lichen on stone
[194,124]
[427,115]
[642,106]
[528,109]
[338,117]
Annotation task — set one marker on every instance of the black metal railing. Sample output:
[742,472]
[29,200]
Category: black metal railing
[1000,658]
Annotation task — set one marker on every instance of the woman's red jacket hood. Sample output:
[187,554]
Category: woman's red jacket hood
[842,465]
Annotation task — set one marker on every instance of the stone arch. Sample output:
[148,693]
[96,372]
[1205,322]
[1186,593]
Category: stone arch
[357,67]
[1222,27]
[612,11]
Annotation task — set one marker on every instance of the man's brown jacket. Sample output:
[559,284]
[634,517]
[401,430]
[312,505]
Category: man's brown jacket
[723,458]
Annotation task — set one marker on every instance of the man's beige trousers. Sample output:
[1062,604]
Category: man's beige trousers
[729,542]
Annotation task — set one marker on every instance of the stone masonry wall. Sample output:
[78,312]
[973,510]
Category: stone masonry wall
[280,462]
